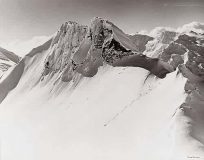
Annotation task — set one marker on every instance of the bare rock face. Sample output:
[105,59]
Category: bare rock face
[187,49]
[63,47]
[195,54]
[173,48]
[157,48]
[166,48]
[195,64]
[140,41]
[189,87]
[167,37]
[114,51]
[176,60]
[81,50]
[189,75]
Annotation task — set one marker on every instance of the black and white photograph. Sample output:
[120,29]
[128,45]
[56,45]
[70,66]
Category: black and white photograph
[101,79]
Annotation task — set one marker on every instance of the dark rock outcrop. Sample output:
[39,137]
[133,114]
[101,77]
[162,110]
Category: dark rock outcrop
[176,60]
[187,50]
[78,49]
[195,59]
[173,48]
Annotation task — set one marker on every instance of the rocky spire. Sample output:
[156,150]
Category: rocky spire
[78,49]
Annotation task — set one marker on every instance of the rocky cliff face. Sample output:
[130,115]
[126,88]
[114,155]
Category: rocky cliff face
[80,50]
[182,48]
[184,51]
[140,41]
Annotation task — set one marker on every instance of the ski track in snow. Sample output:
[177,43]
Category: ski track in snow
[141,94]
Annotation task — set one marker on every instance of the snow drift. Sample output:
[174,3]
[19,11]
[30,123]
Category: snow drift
[98,93]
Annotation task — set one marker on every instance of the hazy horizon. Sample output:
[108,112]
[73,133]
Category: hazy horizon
[23,20]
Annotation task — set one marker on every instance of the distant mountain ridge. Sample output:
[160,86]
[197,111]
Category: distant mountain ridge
[7,59]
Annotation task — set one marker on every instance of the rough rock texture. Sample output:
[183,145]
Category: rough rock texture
[185,51]
[195,60]
[78,49]
[81,50]
[179,48]
[140,41]
[162,39]
[167,37]
[173,48]
[193,104]
[176,60]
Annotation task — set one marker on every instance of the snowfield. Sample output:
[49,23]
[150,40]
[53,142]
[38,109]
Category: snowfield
[119,113]
[119,118]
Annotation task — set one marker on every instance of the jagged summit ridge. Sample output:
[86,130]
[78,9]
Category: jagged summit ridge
[82,49]
[78,49]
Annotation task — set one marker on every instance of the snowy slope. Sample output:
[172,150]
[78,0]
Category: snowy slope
[89,93]
[116,120]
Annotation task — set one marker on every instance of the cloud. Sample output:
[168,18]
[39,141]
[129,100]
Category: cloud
[189,5]
[186,28]
[143,32]
[21,48]
[158,31]
[194,26]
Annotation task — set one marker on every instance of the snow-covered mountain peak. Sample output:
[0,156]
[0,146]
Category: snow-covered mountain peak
[194,27]
[78,49]
[91,90]
[163,34]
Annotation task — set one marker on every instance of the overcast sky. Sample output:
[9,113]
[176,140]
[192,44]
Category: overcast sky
[21,20]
